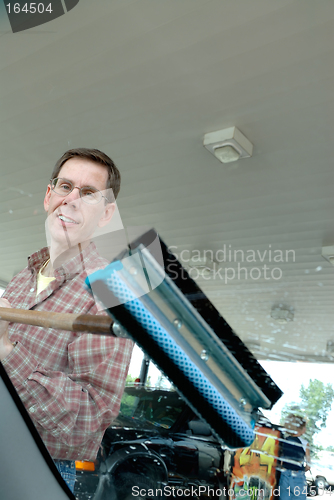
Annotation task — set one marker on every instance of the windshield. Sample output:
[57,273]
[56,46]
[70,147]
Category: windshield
[210,124]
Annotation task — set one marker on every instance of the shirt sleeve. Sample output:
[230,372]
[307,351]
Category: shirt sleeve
[75,405]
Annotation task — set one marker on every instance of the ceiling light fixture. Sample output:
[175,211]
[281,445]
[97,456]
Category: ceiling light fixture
[228,145]
[330,346]
[282,314]
[328,254]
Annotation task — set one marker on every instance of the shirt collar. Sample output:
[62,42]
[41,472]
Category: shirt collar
[76,265]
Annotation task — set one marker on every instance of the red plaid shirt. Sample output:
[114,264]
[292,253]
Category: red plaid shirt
[70,383]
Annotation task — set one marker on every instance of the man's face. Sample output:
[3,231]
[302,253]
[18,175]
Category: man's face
[70,219]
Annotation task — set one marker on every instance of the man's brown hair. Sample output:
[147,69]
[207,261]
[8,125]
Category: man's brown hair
[114,176]
[295,422]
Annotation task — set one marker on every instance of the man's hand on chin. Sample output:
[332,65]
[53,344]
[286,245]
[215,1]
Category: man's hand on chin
[5,344]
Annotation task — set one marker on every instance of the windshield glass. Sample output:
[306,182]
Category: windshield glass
[209,124]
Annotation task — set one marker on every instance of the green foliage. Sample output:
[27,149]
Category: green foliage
[129,379]
[317,399]
[315,403]
[127,400]
[160,382]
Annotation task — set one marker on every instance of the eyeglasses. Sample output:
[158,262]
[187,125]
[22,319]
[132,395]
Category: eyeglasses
[88,194]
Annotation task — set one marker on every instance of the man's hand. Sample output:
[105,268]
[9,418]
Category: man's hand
[5,344]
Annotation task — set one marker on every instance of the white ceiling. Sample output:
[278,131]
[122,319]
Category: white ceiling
[144,80]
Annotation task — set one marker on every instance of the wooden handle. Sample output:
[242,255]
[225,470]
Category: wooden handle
[62,321]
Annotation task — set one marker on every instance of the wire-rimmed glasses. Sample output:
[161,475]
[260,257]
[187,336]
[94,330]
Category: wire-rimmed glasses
[88,194]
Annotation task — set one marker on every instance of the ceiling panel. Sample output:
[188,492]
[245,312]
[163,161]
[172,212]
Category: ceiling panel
[144,81]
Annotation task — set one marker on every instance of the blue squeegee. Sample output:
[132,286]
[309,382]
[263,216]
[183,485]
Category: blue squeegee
[147,306]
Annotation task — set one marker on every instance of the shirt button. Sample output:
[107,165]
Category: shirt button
[32,409]
[32,289]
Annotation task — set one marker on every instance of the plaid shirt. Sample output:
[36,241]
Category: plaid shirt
[70,383]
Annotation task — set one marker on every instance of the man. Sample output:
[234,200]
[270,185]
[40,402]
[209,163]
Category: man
[295,459]
[71,384]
